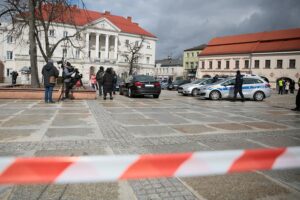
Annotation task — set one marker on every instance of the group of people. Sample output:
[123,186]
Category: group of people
[105,82]
[285,86]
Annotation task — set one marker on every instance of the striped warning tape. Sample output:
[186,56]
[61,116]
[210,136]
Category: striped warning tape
[113,168]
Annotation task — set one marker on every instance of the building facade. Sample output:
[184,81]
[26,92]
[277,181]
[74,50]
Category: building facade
[102,39]
[169,68]
[274,55]
[191,60]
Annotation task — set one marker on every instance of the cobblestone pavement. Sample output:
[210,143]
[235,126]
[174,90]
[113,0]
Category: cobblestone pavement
[170,124]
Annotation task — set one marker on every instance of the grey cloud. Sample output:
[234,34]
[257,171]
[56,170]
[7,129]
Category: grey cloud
[183,24]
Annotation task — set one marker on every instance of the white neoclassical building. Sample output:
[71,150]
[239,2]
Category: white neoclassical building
[274,54]
[103,40]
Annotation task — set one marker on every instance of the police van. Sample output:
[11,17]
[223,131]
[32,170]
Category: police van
[254,87]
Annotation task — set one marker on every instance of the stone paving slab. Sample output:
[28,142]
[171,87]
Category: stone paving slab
[193,129]
[150,131]
[265,125]
[19,135]
[72,120]
[26,121]
[72,133]
[231,126]
[236,186]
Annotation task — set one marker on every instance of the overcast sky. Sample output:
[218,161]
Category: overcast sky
[182,24]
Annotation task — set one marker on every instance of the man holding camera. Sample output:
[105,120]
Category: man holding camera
[67,73]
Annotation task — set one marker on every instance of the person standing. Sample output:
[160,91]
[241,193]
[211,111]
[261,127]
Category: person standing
[14,76]
[238,87]
[292,86]
[280,84]
[99,78]
[94,82]
[114,81]
[67,73]
[108,83]
[50,73]
[298,98]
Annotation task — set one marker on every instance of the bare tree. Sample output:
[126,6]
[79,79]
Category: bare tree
[39,16]
[133,54]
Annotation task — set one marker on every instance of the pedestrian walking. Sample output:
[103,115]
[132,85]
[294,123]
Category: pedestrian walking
[94,82]
[298,98]
[280,85]
[238,87]
[114,81]
[99,78]
[108,83]
[50,74]
[292,86]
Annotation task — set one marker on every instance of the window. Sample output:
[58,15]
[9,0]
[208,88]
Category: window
[292,64]
[148,46]
[279,64]
[268,64]
[65,33]
[256,64]
[172,70]
[219,64]
[210,64]
[187,55]
[126,42]
[203,64]
[237,64]
[77,53]
[187,64]
[136,43]
[9,55]
[192,65]
[252,81]
[51,33]
[229,82]
[10,39]
[246,64]
[227,64]
[148,60]
[64,53]
[192,54]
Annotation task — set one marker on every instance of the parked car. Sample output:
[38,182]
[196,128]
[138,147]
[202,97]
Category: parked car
[140,85]
[164,84]
[254,87]
[194,87]
[177,83]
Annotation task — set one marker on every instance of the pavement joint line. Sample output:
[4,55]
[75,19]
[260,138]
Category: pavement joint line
[259,143]
[191,190]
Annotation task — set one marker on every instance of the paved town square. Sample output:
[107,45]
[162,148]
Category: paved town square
[170,124]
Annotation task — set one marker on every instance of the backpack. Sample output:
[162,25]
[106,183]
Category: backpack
[99,76]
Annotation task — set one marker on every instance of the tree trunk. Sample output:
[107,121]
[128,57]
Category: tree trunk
[32,46]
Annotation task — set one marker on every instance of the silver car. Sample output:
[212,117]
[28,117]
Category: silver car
[254,87]
[194,87]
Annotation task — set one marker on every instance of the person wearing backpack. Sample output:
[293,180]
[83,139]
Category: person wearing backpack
[99,78]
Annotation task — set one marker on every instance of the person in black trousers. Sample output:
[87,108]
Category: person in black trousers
[238,87]
[298,98]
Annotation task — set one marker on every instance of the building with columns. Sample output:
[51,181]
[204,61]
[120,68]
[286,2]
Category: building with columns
[274,55]
[102,40]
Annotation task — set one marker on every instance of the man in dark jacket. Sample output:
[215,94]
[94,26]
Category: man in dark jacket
[238,87]
[298,98]
[50,73]
[68,71]
[99,78]
[108,83]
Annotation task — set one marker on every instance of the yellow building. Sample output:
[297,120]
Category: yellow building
[191,60]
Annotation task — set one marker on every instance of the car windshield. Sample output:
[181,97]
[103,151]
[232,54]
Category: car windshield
[178,82]
[144,78]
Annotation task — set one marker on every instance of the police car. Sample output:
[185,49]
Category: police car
[254,87]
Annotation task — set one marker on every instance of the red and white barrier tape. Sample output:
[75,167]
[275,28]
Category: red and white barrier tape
[114,168]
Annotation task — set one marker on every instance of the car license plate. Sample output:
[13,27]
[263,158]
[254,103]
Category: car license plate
[149,85]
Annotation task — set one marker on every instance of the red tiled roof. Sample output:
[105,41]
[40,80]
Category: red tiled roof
[274,41]
[82,17]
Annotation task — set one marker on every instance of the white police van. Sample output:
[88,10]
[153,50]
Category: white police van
[254,87]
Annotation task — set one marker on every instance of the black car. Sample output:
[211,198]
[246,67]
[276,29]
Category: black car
[140,85]
[177,83]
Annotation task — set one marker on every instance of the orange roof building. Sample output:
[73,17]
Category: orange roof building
[273,54]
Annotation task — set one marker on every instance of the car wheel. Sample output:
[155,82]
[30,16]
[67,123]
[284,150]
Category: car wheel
[156,96]
[215,95]
[194,92]
[130,93]
[258,96]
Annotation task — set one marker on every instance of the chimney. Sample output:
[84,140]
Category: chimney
[129,18]
[106,13]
